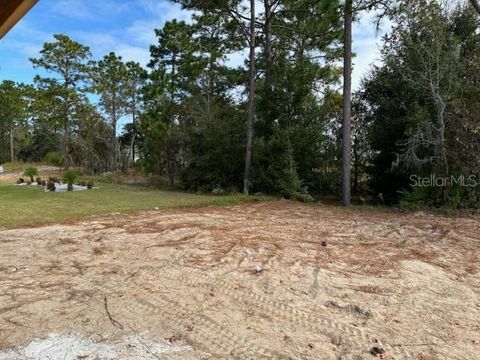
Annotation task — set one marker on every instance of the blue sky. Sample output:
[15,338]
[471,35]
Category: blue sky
[123,26]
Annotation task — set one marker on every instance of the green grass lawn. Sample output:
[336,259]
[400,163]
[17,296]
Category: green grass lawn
[21,205]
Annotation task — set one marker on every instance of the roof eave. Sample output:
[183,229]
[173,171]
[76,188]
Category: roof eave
[19,12]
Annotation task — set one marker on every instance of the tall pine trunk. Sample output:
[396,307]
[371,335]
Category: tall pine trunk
[66,119]
[66,161]
[134,122]
[476,5]
[114,144]
[12,148]
[251,102]
[347,107]
[268,50]
[114,136]
[356,166]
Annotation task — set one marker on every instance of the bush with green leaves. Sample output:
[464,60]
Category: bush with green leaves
[31,172]
[70,176]
[276,169]
[217,190]
[53,158]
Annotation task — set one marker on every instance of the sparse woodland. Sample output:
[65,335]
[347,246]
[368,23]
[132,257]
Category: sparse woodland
[282,120]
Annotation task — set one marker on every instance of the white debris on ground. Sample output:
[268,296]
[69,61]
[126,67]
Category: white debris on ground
[74,346]
[59,187]
[64,188]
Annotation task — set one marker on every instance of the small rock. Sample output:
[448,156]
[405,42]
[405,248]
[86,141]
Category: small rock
[324,243]
[377,351]
[258,270]
[337,340]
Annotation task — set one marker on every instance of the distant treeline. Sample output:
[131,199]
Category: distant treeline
[274,123]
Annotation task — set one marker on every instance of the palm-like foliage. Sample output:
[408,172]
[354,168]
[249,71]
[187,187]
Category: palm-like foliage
[70,176]
[31,172]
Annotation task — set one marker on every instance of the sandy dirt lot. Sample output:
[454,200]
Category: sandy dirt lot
[274,280]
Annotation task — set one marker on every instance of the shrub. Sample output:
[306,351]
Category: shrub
[31,172]
[275,168]
[303,197]
[53,158]
[218,191]
[420,197]
[70,176]
[107,176]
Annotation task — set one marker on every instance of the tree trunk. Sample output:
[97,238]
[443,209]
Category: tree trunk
[134,122]
[171,180]
[114,144]
[442,151]
[172,81]
[12,149]
[114,135]
[66,162]
[347,109]
[171,166]
[251,102]
[476,5]
[356,166]
[268,53]
[441,146]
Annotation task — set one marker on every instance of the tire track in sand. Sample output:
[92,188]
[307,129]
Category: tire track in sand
[206,333]
[315,322]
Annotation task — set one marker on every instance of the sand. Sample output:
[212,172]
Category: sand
[276,280]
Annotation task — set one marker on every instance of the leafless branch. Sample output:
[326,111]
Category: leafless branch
[112,320]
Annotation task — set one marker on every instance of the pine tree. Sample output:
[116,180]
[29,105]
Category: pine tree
[69,60]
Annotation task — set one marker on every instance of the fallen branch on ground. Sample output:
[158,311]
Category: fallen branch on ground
[112,320]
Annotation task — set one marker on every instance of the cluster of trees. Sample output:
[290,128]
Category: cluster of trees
[276,121]
[421,107]
[55,118]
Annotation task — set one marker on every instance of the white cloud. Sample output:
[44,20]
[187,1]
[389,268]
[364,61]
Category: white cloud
[142,31]
[366,46]
[26,41]
[100,43]
[133,53]
[164,9]
[133,42]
